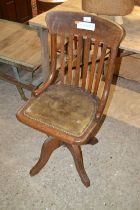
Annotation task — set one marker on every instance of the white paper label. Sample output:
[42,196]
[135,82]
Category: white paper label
[85,25]
[87,19]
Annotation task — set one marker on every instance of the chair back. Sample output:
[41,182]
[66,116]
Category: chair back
[83,46]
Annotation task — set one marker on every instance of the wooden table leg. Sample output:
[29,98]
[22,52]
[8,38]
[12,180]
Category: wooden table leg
[43,34]
[20,90]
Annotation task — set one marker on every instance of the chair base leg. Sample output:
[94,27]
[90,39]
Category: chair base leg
[93,141]
[78,159]
[47,148]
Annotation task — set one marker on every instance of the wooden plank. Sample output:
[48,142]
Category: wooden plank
[19,45]
[12,80]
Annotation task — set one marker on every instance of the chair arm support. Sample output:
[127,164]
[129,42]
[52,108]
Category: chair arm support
[107,86]
[104,97]
[102,105]
[44,86]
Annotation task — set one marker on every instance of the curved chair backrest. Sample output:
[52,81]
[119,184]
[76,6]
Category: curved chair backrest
[104,39]
[60,22]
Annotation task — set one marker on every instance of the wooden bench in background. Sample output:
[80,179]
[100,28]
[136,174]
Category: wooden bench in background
[45,5]
[20,48]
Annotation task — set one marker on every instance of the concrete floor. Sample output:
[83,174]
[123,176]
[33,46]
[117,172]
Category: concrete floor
[113,164]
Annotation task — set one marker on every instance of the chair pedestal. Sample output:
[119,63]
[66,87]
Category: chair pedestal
[49,146]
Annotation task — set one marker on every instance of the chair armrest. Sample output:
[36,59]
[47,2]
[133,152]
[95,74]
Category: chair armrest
[101,106]
[43,86]
[46,84]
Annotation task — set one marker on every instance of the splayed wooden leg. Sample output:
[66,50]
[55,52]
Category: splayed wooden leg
[47,148]
[78,159]
[93,141]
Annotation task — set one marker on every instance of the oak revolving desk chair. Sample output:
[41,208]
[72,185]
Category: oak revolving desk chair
[70,111]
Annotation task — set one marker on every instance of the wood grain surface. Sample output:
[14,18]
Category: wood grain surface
[19,45]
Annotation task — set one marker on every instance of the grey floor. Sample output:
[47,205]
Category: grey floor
[113,164]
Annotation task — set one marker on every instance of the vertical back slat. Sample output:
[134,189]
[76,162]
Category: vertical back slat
[93,65]
[62,62]
[78,59]
[85,59]
[70,58]
[108,80]
[100,69]
[53,51]
[110,69]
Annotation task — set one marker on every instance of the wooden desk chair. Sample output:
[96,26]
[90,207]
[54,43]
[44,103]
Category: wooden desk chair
[70,112]
[45,5]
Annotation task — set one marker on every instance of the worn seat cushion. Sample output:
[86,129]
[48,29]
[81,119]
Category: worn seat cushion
[65,108]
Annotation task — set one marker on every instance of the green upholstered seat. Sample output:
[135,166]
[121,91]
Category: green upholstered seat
[65,108]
